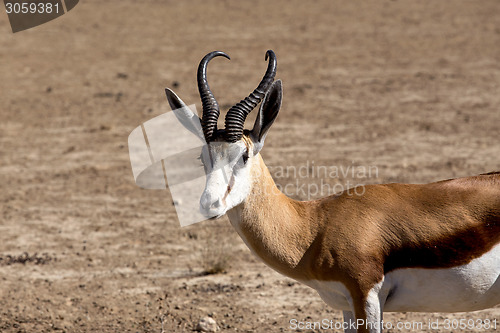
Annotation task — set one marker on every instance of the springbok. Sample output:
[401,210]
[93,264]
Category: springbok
[398,247]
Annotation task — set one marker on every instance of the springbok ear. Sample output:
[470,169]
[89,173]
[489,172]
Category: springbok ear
[267,114]
[184,114]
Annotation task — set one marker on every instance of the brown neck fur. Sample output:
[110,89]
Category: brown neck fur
[278,229]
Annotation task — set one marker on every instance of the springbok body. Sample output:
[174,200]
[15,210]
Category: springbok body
[397,247]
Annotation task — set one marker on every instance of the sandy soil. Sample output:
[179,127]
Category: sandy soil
[411,88]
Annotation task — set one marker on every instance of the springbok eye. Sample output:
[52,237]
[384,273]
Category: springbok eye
[245,158]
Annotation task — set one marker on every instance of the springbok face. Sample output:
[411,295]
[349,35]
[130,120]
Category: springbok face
[229,155]
[228,169]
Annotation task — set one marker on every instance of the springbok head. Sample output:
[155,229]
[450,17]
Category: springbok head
[230,152]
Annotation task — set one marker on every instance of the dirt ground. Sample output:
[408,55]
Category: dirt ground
[410,88]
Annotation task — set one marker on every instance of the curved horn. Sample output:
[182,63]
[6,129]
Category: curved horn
[235,117]
[210,106]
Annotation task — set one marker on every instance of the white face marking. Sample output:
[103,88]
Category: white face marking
[227,169]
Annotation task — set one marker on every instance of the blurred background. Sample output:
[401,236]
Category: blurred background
[409,87]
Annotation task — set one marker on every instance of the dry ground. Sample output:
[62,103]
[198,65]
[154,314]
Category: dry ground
[412,88]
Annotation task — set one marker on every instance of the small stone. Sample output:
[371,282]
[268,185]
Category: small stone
[207,324]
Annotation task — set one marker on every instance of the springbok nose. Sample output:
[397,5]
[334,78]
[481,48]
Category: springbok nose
[207,203]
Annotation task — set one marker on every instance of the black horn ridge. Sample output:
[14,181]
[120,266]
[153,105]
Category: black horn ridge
[210,107]
[235,118]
